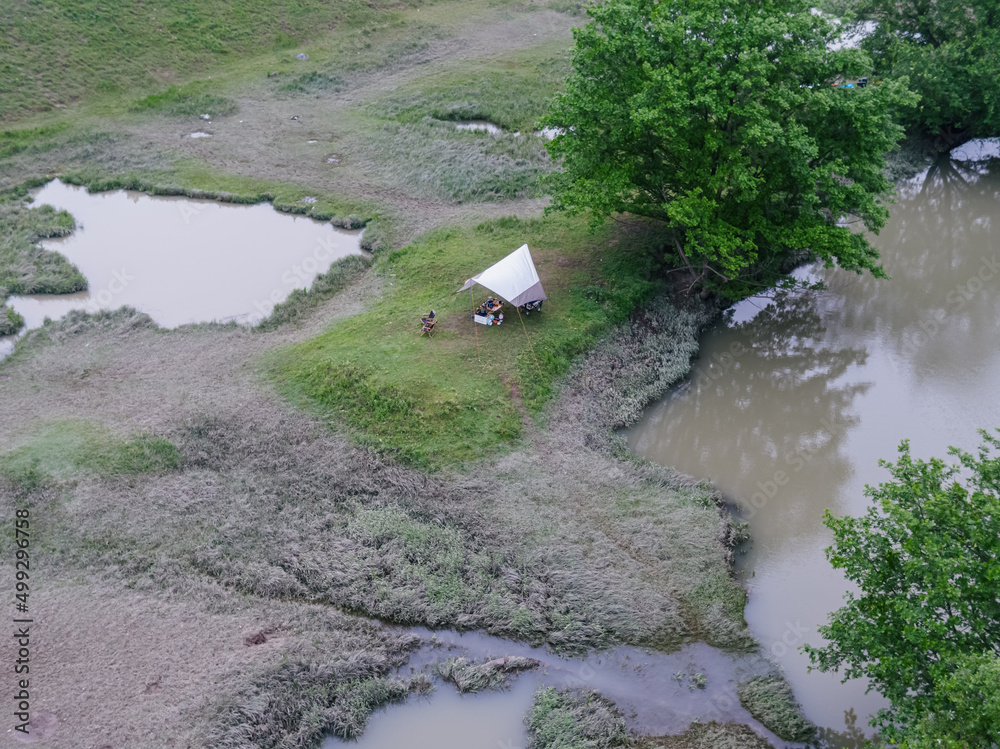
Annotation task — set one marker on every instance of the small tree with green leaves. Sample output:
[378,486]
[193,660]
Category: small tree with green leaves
[718,117]
[924,626]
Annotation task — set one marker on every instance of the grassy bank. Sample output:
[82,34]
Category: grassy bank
[451,399]
[512,91]
[55,54]
[563,719]
[770,700]
[27,268]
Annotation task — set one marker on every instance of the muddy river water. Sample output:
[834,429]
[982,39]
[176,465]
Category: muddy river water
[182,260]
[791,404]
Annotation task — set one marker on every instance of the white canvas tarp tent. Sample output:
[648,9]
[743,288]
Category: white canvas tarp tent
[513,279]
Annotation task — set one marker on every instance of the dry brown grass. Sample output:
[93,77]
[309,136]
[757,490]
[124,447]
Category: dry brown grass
[136,669]
[707,736]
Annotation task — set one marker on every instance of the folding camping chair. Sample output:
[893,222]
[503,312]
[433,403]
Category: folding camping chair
[427,326]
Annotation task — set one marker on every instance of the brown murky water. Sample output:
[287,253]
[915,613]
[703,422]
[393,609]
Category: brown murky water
[183,260]
[791,404]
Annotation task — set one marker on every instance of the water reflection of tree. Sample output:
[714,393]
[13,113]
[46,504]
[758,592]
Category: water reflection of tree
[851,737]
[941,228]
[782,404]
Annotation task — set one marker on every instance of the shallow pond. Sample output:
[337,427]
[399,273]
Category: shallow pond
[791,405]
[182,260]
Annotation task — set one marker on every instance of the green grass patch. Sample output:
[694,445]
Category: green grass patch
[512,91]
[293,705]
[770,700]
[561,719]
[437,159]
[313,83]
[444,401]
[192,100]
[16,141]
[56,53]
[10,321]
[60,449]
[440,564]
[27,268]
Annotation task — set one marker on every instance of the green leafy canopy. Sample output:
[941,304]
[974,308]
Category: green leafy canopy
[924,626]
[950,51]
[719,117]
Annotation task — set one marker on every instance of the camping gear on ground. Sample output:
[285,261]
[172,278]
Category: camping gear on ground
[513,279]
[532,306]
[427,324]
[490,307]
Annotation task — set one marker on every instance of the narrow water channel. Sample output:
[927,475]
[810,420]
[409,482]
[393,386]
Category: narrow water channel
[792,403]
[182,260]
[658,693]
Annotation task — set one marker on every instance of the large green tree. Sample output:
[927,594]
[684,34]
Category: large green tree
[718,117]
[924,626]
[950,52]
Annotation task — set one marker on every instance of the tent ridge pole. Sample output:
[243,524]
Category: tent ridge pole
[472,309]
[529,342]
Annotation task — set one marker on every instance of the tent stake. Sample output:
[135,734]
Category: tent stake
[472,309]
[529,342]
